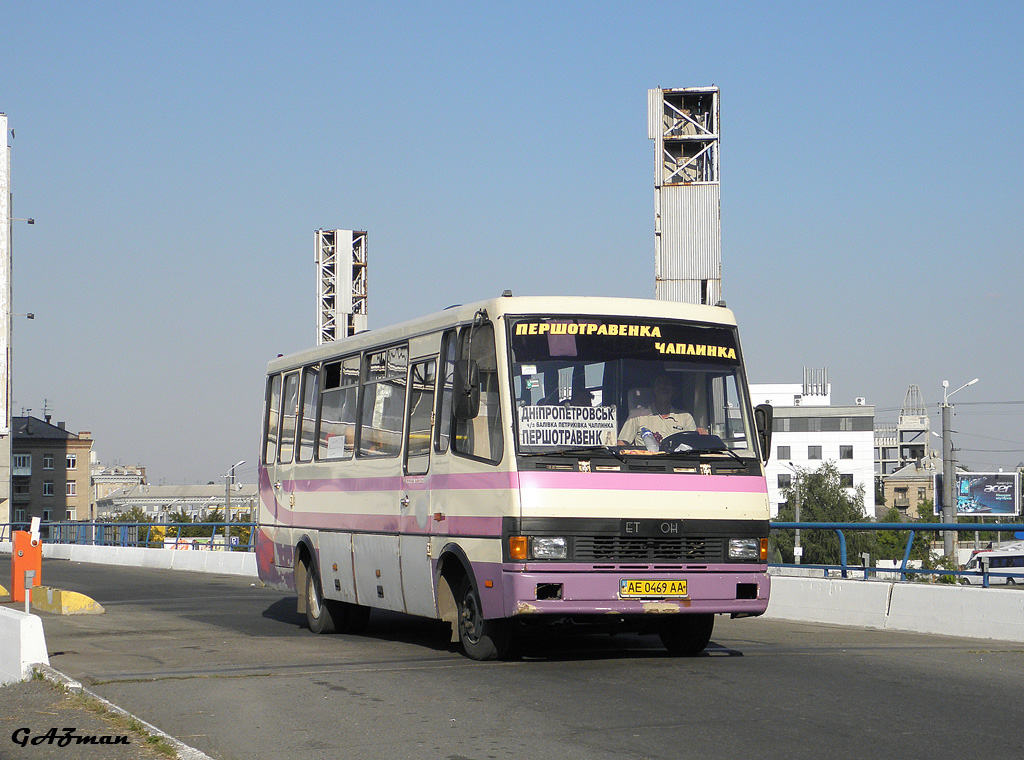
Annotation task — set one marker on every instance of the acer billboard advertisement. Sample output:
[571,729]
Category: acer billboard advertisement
[983,494]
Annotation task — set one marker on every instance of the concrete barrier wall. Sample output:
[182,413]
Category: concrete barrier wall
[22,644]
[922,608]
[224,563]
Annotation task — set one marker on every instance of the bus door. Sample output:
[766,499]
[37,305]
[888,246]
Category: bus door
[268,478]
[415,495]
[285,470]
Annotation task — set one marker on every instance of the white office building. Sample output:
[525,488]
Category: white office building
[808,430]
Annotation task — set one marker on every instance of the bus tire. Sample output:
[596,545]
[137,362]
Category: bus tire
[318,611]
[687,635]
[481,639]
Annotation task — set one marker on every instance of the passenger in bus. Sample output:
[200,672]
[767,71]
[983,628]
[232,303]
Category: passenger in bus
[581,397]
[661,417]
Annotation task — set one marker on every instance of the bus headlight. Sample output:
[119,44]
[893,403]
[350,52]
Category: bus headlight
[549,547]
[744,548]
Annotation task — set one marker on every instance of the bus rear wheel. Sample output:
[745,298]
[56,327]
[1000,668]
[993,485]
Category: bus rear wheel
[481,639]
[687,635]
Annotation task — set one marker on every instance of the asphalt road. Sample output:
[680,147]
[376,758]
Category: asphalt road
[230,669]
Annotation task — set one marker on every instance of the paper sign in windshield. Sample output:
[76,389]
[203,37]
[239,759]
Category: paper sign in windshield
[567,425]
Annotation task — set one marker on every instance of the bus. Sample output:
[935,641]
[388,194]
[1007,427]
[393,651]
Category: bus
[468,466]
[1006,565]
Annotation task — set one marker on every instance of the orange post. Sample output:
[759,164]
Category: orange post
[26,554]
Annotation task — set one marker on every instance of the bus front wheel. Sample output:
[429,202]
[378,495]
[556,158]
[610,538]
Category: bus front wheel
[481,639]
[318,612]
[687,634]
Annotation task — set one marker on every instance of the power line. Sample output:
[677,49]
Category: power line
[995,451]
[990,438]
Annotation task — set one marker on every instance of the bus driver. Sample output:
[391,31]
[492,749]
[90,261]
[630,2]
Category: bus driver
[662,418]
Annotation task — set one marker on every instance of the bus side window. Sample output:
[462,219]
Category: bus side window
[273,418]
[481,437]
[307,413]
[383,402]
[338,409]
[289,409]
[422,377]
[444,406]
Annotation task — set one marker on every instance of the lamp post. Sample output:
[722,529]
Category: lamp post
[948,508]
[229,480]
[798,550]
[6,247]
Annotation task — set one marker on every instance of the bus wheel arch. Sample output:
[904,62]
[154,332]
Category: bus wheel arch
[452,567]
[304,564]
[458,603]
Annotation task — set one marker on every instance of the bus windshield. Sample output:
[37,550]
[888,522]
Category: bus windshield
[631,384]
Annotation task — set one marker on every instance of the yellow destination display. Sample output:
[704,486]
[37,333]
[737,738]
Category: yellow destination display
[651,588]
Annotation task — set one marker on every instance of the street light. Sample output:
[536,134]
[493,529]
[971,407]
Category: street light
[798,551]
[948,510]
[229,479]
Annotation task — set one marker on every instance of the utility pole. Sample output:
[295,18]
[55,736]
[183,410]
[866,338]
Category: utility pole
[948,475]
[5,324]
[798,550]
[948,471]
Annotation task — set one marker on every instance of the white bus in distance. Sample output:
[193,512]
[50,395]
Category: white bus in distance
[1005,563]
[468,466]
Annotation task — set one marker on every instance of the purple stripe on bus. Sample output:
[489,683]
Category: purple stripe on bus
[456,525]
[641,481]
[480,481]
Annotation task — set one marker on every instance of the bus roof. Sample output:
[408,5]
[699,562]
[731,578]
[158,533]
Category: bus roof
[499,307]
[1014,548]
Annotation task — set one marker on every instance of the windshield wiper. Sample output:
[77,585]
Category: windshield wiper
[694,450]
[577,450]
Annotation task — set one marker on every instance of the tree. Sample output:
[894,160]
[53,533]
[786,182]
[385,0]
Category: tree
[134,515]
[893,544]
[823,498]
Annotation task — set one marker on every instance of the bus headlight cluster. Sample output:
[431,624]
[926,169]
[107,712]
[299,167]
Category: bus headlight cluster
[548,547]
[745,548]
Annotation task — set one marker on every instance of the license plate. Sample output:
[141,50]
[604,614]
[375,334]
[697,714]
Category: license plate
[635,587]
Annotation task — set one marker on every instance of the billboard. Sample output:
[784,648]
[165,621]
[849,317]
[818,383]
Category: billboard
[983,494]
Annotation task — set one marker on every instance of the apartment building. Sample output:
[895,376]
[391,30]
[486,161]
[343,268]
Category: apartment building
[809,430]
[50,476]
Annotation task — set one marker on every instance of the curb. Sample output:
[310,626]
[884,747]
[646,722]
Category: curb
[59,602]
[184,752]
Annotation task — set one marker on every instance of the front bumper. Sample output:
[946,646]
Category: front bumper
[568,591]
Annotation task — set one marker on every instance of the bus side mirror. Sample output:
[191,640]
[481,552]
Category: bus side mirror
[466,387]
[763,416]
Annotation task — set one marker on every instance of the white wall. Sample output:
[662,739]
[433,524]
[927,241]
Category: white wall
[862,466]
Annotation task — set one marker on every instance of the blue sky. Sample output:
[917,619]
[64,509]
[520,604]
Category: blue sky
[177,158]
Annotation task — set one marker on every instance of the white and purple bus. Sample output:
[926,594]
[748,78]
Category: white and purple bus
[475,466]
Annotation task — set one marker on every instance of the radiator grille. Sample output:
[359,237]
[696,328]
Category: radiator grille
[623,549]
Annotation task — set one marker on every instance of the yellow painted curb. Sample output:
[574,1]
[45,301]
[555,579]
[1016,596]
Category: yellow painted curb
[4,592]
[58,602]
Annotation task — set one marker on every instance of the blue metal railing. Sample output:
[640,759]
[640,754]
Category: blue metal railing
[912,529]
[140,534]
[160,534]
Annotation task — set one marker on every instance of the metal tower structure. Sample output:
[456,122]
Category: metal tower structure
[683,123]
[341,288]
